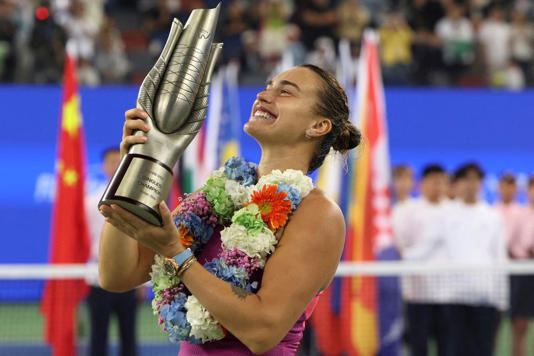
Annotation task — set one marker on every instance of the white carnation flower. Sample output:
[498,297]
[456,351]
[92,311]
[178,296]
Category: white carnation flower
[238,192]
[292,177]
[258,246]
[203,326]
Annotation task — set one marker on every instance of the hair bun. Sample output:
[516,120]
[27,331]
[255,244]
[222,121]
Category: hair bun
[348,138]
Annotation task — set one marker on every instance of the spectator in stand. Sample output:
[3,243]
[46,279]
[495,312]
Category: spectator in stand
[396,41]
[111,61]
[522,39]
[252,69]
[522,303]
[7,41]
[417,228]
[403,183]
[495,38]
[273,38]
[253,15]
[158,23]
[474,233]
[47,45]
[316,18]
[353,18]
[233,25]
[521,287]
[295,46]
[87,73]
[324,55]
[457,39]
[423,16]
[81,31]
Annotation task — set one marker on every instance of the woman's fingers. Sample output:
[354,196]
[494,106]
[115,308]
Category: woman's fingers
[165,214]
[129,141]
[135,113]
[129,218]
[135,120]
[131,125]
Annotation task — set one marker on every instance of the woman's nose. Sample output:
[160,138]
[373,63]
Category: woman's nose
[265,96]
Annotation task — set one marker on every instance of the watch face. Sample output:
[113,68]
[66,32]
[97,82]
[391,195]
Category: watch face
[170,267]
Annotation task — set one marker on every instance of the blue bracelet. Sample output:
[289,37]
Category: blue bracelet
[182,256]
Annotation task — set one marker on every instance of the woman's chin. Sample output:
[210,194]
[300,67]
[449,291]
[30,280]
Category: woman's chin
[256,127]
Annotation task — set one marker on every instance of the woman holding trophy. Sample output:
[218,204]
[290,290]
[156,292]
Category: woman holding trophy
[236,268]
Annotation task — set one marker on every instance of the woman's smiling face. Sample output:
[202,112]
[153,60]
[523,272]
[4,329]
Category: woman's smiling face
[283,112]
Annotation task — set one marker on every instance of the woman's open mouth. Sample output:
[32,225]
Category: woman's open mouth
[262,113]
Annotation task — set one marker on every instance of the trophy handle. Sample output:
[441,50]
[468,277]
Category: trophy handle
[149,87]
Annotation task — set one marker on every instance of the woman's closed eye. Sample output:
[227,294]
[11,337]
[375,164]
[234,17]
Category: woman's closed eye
[285,92]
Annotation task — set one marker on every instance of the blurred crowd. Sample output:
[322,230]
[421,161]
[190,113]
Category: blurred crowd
[448,222]
[423,42]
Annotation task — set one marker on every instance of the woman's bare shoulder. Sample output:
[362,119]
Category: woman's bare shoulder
[317,203]
[319,215]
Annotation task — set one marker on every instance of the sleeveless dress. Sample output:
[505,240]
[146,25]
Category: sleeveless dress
[230,345]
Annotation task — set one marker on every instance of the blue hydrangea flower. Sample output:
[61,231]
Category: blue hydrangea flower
[238,169]
[236,276]
[292,194]
[175,321]
[200,230]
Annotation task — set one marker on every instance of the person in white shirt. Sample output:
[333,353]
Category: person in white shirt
[417,225]
[457,38]
[495,36]
[474,233]
[102,303]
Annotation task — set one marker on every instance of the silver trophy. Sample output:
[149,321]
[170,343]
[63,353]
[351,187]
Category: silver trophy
[175,96]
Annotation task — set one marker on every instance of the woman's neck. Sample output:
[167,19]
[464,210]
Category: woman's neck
[282,159]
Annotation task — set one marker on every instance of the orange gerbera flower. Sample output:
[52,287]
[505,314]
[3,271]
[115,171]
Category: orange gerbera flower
[273,207]
[185,237]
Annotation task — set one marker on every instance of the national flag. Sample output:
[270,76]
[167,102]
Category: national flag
[69,239]
[347,317]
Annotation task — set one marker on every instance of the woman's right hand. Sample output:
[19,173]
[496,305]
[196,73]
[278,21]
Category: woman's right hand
[135,120]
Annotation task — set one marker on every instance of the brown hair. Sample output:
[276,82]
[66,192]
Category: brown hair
[333,104]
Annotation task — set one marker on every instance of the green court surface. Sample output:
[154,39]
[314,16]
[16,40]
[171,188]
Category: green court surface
[22,323]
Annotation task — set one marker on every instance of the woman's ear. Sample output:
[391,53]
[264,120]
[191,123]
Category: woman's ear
[320,128]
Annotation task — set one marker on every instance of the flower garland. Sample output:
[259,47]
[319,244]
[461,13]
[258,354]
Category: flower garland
[251,211]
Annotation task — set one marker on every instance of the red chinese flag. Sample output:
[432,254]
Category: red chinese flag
[69,239]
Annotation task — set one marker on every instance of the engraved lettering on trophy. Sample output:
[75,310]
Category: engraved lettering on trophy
[205,35]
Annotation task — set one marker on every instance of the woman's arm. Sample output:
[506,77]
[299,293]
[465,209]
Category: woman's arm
[123,263]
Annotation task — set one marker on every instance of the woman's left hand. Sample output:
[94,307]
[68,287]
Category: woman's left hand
[164,240]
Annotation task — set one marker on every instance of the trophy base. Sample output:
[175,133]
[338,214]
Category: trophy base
[139,185]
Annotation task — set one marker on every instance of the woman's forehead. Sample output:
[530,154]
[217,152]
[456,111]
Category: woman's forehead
[304,78]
